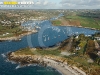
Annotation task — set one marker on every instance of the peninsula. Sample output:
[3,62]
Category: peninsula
[82,58]
[59,63]
[79,54]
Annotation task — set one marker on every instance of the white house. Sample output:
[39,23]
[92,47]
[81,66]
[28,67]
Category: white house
[97,38]
[78,48]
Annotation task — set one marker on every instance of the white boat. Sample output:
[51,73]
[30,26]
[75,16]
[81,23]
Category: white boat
[45,39]
[58,35]
[48,27]
[58,30]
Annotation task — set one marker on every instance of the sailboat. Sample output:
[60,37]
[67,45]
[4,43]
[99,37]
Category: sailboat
[45,39]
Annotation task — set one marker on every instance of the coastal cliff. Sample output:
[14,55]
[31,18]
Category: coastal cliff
[56,62]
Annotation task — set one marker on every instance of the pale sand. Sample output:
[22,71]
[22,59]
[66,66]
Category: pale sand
[64,69]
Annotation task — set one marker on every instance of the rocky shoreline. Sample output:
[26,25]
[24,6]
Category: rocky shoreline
[56,62]
[81,27]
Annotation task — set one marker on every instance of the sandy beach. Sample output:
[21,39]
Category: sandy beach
[64,69]
[61,69]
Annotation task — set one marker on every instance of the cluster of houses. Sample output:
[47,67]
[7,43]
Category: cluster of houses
[9,23]
[30,28]
[5,34]
[97,46]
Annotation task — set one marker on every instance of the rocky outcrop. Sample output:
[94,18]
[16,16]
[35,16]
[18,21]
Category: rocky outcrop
[56,62]
[25,59]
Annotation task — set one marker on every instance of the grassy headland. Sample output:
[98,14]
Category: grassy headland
[85,57]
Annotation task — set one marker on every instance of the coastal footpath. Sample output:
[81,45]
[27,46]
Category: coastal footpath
[59,63]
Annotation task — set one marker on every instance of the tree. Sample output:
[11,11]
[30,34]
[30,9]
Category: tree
[90,46]
[81,37]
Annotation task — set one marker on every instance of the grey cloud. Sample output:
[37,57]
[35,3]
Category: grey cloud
[80,3]
[44,4]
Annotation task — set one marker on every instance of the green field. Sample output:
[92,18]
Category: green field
[56,22]
[85,21]
[49,52]
[28,51]
[11,31]
[25,51]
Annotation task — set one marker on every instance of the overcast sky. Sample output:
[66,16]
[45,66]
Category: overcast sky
[60,4]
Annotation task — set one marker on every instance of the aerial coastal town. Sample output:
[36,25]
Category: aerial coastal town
[78,54]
